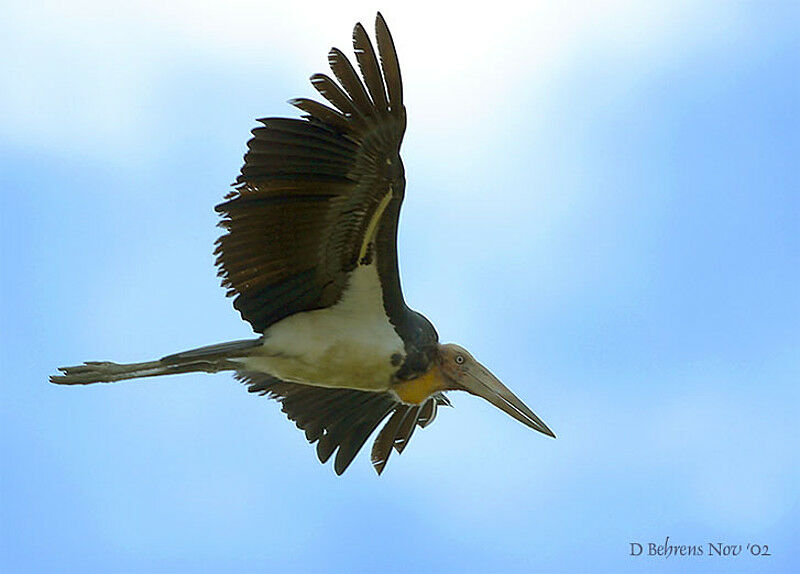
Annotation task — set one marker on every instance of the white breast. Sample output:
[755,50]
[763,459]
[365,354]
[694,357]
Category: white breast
[347,345]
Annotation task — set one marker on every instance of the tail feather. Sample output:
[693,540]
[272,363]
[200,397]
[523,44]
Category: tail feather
[211,359]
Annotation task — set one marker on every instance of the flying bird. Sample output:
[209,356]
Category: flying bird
[309,254]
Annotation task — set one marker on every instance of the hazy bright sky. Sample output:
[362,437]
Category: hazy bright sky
[603,205]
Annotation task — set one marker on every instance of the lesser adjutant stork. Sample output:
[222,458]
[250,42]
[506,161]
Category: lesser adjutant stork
[310,255]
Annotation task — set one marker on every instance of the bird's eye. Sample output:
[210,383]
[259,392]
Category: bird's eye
[459,359]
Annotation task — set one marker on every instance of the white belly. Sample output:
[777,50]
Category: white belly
[347,345]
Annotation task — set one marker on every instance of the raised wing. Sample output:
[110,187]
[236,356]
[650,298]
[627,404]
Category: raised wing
[319,195]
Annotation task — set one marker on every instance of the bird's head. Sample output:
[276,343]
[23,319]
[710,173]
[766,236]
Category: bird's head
[462,372]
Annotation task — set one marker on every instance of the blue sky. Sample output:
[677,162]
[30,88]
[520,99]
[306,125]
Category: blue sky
[602,205]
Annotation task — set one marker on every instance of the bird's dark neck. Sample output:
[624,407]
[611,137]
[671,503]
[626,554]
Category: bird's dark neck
[420,339]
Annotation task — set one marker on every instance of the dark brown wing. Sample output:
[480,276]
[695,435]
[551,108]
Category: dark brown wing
[341,420]
[318,195]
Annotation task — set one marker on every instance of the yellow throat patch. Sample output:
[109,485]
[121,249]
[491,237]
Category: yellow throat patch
[416,391]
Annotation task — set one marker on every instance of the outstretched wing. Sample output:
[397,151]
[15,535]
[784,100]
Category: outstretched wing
[318,196]
[341,420]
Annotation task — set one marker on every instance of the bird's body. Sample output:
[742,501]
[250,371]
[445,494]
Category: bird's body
[300,348]
[310,255]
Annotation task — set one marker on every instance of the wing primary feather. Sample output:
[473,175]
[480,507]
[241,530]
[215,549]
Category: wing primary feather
[344,72]
[314,430]
[329,441]
[368,64]
[342,421]
[343,428]
[391,68]
[442,400]
[406,429]
[331,91]
[427,413]
[322,113]
[351,445]
[382,448]
[312,413]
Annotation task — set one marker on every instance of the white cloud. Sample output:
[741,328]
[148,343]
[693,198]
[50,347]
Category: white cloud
[79,74]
